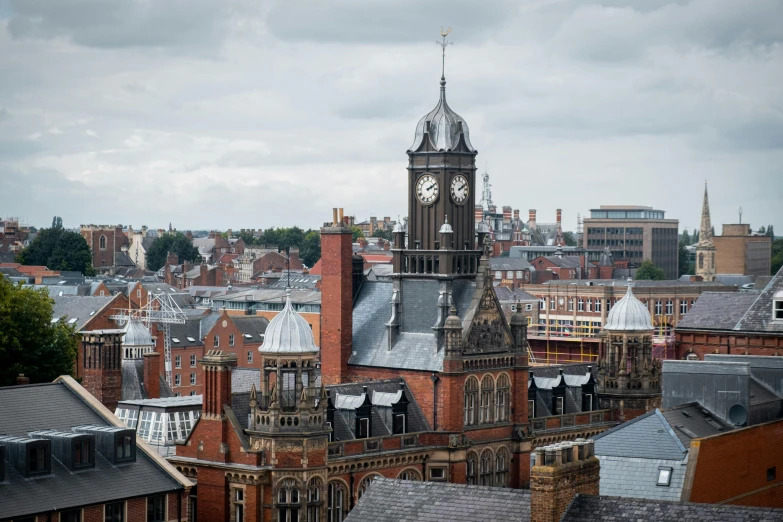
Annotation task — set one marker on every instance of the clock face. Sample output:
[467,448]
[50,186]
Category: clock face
[427,189]
[459,189]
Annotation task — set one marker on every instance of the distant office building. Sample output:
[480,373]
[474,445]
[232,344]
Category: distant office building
[634,234]
[740,251]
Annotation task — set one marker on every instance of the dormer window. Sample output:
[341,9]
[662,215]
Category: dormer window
[83,453]
[777,307]
[124,447]
[39,458]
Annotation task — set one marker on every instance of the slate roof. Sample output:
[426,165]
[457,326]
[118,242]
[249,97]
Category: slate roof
[691,421]
[81,308]
[509,263]
[717,310]
[60,408]
[505,294]
[648,436]
[253,326]
[758,318]
[415,347]
[396,500]
[589,508]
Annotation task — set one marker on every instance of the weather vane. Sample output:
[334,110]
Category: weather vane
[443,45]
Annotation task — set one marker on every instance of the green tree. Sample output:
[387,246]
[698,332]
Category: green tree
[291,237]
[685,238]
[247,237]
[777,255]
[648,271]
[58,249]
[357,233]
[176,244]
[695,237]
[310,251]
[385,234]
[770,231]
[762,230]
[57,222]
[569,238]
[270,237]
[29,342]
[684,265]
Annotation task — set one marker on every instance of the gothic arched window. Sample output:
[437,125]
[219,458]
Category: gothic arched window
[502,398]
[102,243]
[501,468]
[471,398]
[335,502]
[701,260]
[288,501]
[485,468]
[471,469]
[314,500]
[364,484]
[487,391]
[409,474]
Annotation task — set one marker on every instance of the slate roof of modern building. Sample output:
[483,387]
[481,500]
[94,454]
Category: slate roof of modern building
[509,263]
[590,508]
[415,347]
[396,500]
[717,310]
[61,406]
[252,327]
[506,294]
[81,308]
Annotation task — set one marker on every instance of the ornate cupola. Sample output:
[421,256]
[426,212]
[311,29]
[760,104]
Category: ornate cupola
[441,183]
[289,400]
[137,340]
[629,377]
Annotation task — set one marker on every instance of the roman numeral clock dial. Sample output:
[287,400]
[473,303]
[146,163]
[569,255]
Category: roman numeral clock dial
[427,189]
[459,189]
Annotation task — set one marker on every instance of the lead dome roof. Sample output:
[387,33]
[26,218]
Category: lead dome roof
[137,334]
[288,332]
[629,315]
[443,125]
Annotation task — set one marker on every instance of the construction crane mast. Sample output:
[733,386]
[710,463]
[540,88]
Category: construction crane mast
[486,193]
[159,309]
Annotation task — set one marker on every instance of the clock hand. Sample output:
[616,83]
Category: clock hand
[430,187]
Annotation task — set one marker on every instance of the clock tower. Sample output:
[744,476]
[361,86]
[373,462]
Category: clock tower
[441,196]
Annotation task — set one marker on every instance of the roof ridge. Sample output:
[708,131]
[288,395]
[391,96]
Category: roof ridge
[670,430]
[624,424]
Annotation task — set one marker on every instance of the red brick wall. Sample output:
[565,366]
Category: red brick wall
[336,303]
[553,487]
[702,343]
[745,456]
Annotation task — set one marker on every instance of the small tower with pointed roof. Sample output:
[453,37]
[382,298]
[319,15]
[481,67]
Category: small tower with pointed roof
[705,249]
[629,376]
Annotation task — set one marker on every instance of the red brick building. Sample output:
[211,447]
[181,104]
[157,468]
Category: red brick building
[105,242]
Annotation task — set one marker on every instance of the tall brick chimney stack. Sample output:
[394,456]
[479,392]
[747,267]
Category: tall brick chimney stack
[562,471]
[507,214]
[101,360]
[217,366]
[516,214]
[336,299]
[531,217]
[559,217]
[152,374]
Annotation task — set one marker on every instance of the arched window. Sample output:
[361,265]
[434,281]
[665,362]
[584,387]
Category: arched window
[409,474]
[335,503]
[102,243]
[364,484]
[501,468]
[487,391]
[501,398]
[471,398]
[471,471]
[485,468]
[701,260]
[288,501]
[314,501]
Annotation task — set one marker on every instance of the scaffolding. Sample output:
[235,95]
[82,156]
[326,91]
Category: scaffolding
[160,309]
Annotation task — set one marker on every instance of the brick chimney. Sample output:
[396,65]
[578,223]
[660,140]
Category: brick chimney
[21,380]
[531,217]
[559,219]
[152,374]
[217,365]
[336,299]
[516,214]
[172,259]
[507,214]
[101,366]
[560,472]
[478,213]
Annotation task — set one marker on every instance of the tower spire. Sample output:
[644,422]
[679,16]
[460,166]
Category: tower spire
[705,248]
[705,229]
[443,45]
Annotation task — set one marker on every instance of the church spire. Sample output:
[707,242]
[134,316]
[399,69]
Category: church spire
[705,230]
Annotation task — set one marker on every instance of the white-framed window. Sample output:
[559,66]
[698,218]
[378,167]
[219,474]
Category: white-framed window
[658,307]
[250,356]
[498,275]
[589,305]
[598,304]
[192,392]
[178,361]
[552,303]
[570,304]
[528,307]
[510,274]
[531,408]
[192,378]
[559,406]
[177,379]
[664,476]
[193,360]
[138,293]
[145,425]
[669,307]
[683,307]
[519,274]
[238,505]
[542,304]
[335,503]
[216,344]
[777,310]
[231,339]
[580,305]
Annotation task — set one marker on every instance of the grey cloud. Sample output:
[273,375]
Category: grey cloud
[186,24]
[4,115]
[382,21]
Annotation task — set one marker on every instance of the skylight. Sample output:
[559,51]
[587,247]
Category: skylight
[92,313]
[192,340]
[175,339]
[248,336]
[72,321]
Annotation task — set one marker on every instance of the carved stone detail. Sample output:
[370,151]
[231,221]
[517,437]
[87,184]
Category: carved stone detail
[459,440]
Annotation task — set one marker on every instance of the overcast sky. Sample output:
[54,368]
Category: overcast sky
[218,114]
